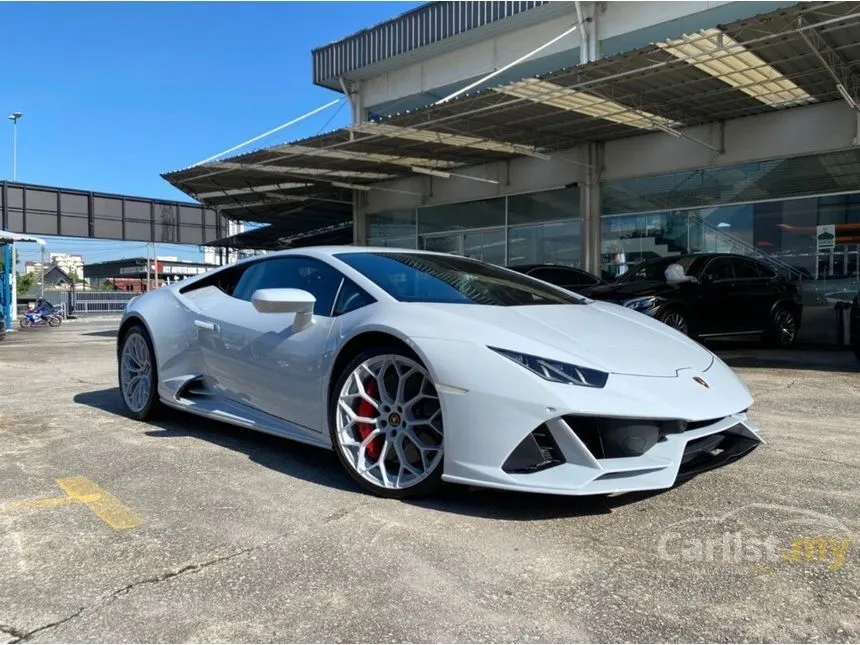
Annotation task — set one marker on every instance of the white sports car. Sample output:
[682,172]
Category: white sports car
[418,368]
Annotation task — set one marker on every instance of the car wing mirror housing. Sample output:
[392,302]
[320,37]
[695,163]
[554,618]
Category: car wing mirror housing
[286,301]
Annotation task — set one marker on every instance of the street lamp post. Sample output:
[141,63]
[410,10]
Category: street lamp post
[14,118]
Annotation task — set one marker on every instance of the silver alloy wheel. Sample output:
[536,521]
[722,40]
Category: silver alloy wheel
[786,327]
[676,321]
[389,423]
[135,372]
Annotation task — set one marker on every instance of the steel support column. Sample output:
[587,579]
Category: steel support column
[8,286]
[590,208]
[359,219]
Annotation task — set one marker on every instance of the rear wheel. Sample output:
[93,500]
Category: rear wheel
[137,374]
[782,331]
[386,424]
[54,321]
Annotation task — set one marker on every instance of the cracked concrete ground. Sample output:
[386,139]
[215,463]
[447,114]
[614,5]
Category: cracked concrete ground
[251,538]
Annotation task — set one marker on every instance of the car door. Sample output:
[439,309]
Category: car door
[716,304]
[754,293]
[262,362]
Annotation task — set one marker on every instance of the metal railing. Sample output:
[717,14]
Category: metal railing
[102,302]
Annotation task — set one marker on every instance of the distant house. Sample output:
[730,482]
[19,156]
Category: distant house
[55,279]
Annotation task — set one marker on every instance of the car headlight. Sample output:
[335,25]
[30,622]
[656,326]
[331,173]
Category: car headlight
[556,371]
[640,304]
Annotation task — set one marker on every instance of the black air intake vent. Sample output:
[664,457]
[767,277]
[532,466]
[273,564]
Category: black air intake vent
[538,451]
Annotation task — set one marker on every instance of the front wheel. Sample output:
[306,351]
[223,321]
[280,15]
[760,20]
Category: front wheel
[25,322]
[138,382]
[386,424]
[782,331]
[676,320]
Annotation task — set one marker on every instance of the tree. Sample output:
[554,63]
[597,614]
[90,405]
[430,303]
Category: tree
[25,282]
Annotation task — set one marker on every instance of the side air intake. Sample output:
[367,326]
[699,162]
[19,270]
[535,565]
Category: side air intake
[538,451]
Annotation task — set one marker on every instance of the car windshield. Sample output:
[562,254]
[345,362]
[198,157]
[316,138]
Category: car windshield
[420,277]
[655,270]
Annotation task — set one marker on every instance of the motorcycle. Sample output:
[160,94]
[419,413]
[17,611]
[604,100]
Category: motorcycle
[43,315]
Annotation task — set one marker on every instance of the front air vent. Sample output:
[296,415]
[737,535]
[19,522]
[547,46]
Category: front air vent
[538,451]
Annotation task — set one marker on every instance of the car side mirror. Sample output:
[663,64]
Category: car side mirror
[286,301]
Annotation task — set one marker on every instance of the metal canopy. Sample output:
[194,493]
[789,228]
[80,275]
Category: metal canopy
[771,62]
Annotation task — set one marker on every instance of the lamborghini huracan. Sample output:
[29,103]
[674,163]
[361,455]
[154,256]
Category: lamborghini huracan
[419,368]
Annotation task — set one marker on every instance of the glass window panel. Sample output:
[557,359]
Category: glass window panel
[396,242]
[547,206]
[391,224]
[836,172]
[630,239]
[468,215]
[488,246]
[555,243]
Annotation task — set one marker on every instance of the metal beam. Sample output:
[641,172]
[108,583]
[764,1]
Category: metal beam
[847,82]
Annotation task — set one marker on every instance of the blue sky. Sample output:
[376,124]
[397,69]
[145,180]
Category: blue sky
[113,94]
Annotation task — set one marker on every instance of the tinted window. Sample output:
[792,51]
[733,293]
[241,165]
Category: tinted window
[225,280]
[655,270]
[312,276]
[747,268]
[563,277]
[720,269]
[350,298]
[419,277]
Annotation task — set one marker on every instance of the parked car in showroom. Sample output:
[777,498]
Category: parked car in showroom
[566,277]
[711,294]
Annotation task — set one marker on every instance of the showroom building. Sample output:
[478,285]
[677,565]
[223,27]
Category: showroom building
[593,134]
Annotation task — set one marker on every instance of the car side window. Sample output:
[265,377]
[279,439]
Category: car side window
[350,298]
[746,269]
[720,269]
[313,276]
[224,279]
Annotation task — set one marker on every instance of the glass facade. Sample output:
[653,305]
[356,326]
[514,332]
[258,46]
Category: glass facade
[773,210]
[770,209]
[520,229]
[779,211]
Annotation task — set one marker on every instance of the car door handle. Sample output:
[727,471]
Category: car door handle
[202,324]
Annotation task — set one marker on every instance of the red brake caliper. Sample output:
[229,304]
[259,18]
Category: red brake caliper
[367,410]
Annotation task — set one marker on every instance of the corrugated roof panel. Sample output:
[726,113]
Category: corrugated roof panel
[423,26]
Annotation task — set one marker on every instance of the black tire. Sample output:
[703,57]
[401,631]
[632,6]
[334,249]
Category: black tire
[782,328]
[676,319]
[54,321]
[430,484]
[153,405]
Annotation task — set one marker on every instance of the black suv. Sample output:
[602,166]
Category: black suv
[711,294]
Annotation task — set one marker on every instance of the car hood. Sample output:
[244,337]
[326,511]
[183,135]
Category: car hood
[599,335]
[620,291]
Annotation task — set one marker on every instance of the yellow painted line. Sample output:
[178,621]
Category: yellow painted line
[48,502]
[107,507]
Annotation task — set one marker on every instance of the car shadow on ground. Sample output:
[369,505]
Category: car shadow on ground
[815,358]
[110,333]
[320,466]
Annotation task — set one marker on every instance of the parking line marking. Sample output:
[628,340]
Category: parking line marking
[48,502]
[107,507]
